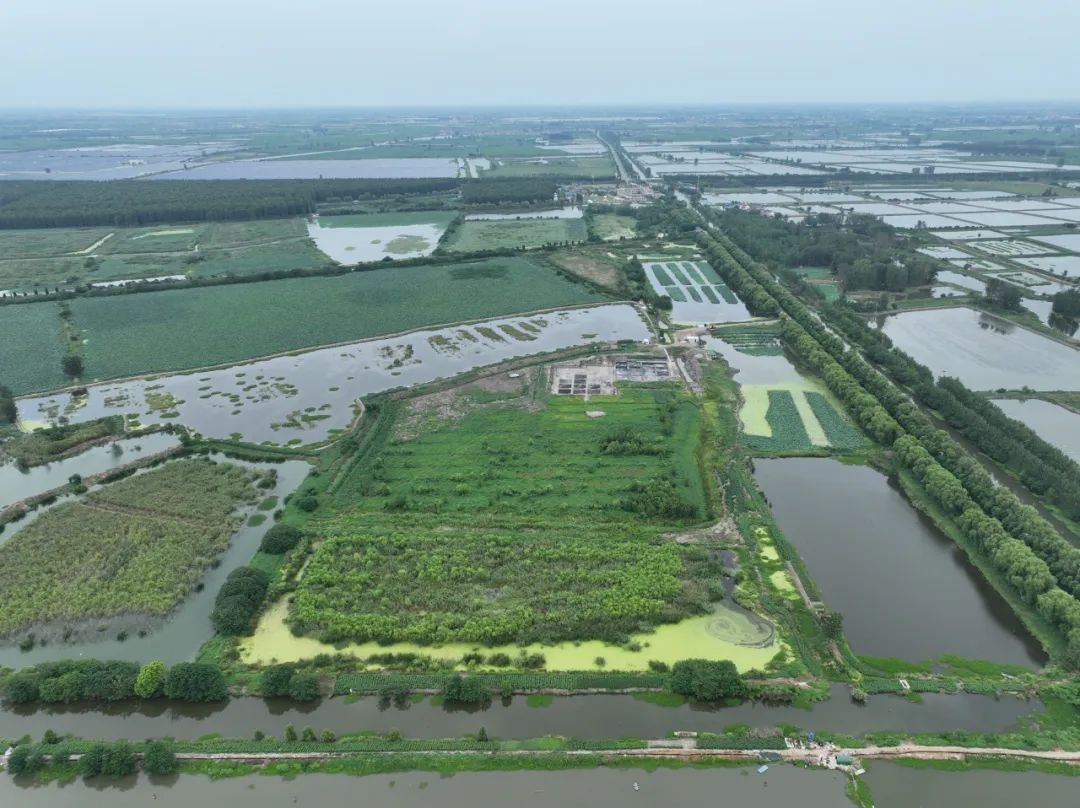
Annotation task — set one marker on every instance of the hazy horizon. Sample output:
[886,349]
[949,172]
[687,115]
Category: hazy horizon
[331,54]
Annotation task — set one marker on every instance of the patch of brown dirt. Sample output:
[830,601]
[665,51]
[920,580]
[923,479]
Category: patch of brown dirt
[591,269]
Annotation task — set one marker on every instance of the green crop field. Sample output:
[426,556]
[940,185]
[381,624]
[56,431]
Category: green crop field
[90,255]
[426,581]
[136,547]
[840,433]
[553,461]
[788,432]
[591,167]
[474,236]
[661,275]
[678,273]
[31,346]
[187,328]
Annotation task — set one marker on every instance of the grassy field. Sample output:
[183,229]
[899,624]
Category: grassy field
[544,458]
[187,328]
[31,346]
[91,255]
[512,233]
[136,547]
[590,167]
[612,227]
[510,516]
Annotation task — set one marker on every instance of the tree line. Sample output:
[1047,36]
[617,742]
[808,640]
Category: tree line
[1039,565]
[74,680]
[28,204]
[863,251]
[1043,468]
[496,191]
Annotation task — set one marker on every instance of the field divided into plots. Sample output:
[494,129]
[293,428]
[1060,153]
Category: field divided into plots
[697,292]
[788,419]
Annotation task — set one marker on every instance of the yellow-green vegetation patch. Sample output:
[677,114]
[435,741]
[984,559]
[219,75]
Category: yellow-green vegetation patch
[727,634]
[783,584]
[135,547]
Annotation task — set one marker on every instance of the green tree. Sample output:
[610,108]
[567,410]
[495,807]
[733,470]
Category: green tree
[22,688]
[465,690]
[280,539]
[304,686]
[22,760]
[119,760]
[150,683]
[195,681]
[275,680]
[832,624]
[160,758]
[707,680]
[72,366]
[92,762]
[290,733]
[308,735]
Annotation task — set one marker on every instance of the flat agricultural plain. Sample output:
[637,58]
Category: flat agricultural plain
[186,328]
[86,255]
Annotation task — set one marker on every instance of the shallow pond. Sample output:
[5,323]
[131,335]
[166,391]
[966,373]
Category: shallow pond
[303,397]
[376,168]
[587,788]
[572,716]
[182,634]
[965,281]
[904,588]
[1054,424]
[16,484]
[984,352]
[353,245]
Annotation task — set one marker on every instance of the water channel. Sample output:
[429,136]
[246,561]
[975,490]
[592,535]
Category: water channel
[589,788]
[572,716]
[16,484]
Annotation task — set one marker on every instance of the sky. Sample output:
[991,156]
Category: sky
[269,53]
